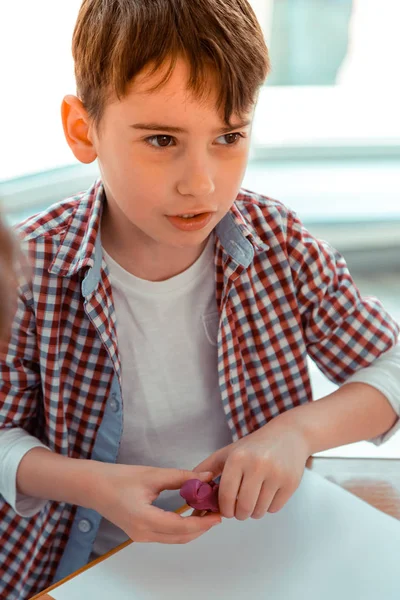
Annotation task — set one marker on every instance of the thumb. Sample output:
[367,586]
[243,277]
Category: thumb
[173,479]
[215,462]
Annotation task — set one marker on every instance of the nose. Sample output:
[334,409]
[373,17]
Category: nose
[196,180]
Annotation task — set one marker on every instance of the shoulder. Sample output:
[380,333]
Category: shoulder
[50,222]
[271,220]
[278,227]
[255,204]
[62,237]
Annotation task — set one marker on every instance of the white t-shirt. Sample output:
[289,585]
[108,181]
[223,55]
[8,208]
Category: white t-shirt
[167,339]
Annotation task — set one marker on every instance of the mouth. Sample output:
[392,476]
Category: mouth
[191,221]
[191,215]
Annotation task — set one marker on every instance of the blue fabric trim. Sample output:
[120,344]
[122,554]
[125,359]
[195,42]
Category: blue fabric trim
[91,281]
[234,241]
[79,545]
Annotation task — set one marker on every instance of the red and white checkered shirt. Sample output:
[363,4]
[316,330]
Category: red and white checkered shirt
[282,296]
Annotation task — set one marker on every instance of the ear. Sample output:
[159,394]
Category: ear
[77,129]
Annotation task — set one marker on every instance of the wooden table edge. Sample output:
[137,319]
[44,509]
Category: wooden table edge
[46,596]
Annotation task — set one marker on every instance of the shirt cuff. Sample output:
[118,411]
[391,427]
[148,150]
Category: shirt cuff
[384,375]
[14,444]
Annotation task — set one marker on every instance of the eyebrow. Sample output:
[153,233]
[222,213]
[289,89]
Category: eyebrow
[169,129]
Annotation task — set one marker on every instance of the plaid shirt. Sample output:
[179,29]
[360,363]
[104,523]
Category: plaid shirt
[282,295]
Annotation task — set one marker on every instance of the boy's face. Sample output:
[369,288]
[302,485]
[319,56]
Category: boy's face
[164,154]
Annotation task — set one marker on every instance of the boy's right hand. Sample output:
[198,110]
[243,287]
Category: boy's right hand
[124,495]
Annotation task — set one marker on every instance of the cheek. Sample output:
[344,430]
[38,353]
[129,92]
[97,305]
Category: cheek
[230,175]
[130,170]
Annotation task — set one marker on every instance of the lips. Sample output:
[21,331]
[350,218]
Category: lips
[191,223]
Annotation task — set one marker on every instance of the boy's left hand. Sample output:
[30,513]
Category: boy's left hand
[260,471]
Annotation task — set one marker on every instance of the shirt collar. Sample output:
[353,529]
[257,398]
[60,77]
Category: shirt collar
[239,238]
[82,235]
[81,244]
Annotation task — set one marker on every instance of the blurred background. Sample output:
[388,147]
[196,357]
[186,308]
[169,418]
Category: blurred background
[326,138]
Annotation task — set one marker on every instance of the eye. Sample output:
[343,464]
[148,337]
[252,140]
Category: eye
[160,141]
[230,139]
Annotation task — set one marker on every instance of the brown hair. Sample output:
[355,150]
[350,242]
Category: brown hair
[115,39]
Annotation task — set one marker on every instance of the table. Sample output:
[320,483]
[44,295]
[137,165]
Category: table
[377,481]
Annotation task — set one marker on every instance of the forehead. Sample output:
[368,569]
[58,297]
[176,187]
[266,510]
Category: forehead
[151,97]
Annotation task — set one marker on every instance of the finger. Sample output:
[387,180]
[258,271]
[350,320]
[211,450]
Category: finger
[173,479]
[215,462]
[265,498]
[171,523]
[249,492]
[229,489]
[280,499]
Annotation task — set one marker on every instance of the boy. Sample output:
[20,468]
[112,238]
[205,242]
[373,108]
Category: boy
[170,315]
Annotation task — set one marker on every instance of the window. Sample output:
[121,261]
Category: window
[37,72]
[333,88]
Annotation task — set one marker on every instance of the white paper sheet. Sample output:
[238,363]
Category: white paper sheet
[325,544]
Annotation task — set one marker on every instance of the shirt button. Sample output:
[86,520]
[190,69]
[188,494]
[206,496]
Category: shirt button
[84,526]
[114,404]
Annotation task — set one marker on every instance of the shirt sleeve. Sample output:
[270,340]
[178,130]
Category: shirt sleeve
[343,331]
[384,375]
[14,444]
[21,405]
[20,380]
